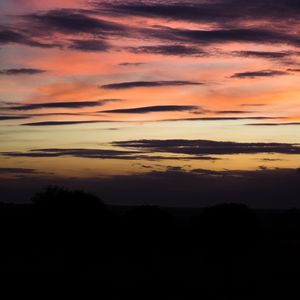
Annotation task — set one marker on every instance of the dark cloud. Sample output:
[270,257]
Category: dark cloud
[74,104]
[176,50]
[90,45]
[221,119]
[71,21]
[14,37]
[263,22]
[76,152]
[6,171]
[136,84]
[102,154]
[262,73]
[219,12]
[231,19]
[150,109]
[62,114]
[60,123]
[263,54]
[12,117]
[177,11]
[240,35]
[21,71]
[207,147]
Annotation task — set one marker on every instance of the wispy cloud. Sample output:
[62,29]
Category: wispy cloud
[12,117]
[264,54]
[208,147]
[148,84]
[61,123]
[150,109]
[14,37]
[71,21]
[90,45]
[173,50]
[102,154]
[21,71]
[70,104]
[262,73]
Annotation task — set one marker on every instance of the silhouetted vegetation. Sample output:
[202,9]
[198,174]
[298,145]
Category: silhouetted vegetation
[226,249]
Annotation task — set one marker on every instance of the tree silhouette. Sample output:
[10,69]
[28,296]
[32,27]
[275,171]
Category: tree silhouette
[73,222]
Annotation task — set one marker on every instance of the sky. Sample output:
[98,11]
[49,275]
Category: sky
[163,102]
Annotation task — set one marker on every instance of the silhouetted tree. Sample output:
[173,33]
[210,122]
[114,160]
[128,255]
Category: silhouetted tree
[73,221]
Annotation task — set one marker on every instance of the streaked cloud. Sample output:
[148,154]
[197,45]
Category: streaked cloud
[148,84]
[70,104]
[61,123]
[207,147]
[173,50]
[90,45]
[102,154]
[264,54]
[21,71]
[262,73]
[150,109]
[12,117]
[71,21]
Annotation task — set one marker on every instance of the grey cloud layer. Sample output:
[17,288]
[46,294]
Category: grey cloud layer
[221,11]
[95,22]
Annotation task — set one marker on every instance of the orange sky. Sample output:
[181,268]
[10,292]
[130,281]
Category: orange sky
[159,66]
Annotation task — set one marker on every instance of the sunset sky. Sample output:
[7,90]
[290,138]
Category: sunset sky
[94,91]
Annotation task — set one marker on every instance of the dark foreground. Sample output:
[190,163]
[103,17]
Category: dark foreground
[222,252]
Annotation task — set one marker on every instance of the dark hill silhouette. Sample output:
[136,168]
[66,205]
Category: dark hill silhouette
[149,230]
[226,250]
[287,225]
[230,226]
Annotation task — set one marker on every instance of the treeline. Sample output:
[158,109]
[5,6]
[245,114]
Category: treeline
[74,234]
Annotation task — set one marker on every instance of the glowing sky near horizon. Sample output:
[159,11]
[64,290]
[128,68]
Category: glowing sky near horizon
[83,75]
